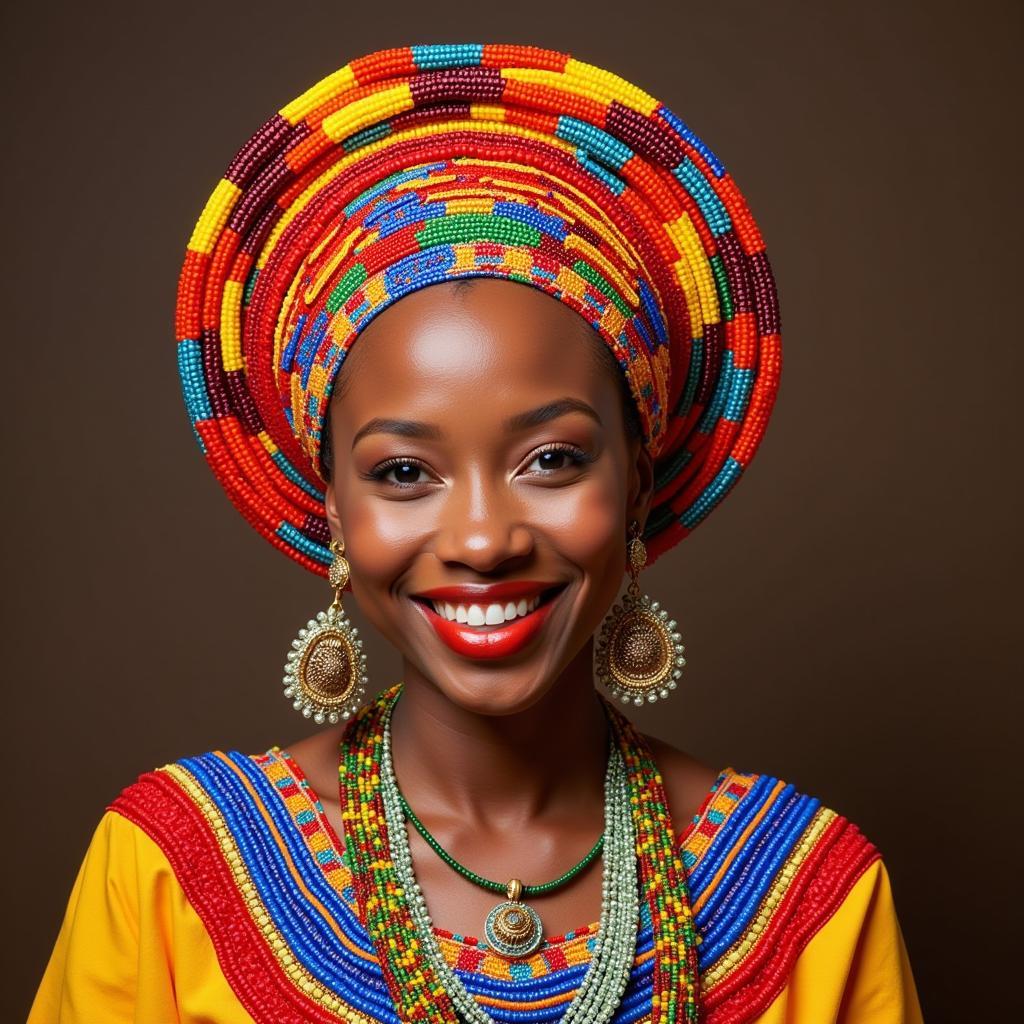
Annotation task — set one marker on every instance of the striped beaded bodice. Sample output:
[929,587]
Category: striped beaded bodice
[264,869]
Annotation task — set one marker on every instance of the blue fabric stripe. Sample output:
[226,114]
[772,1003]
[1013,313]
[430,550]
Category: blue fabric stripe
[769,825]
[636,1000]
[242,789]
[418,269]
[635,1004]
[299,851]
[395,204]
[299,922]
[645,334]
[752,802]
[736,912]
[524,991]
[261,853]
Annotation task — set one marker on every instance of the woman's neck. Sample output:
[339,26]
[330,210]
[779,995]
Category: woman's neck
[504,768]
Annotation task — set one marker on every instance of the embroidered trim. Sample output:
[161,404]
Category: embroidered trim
[259,861]
[165,811]
[831,870]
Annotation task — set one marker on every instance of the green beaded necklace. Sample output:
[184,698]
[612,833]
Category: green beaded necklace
[512,924]
[640,859]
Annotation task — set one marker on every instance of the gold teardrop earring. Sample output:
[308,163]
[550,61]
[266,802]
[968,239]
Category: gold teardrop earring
[639,656]
[325,673]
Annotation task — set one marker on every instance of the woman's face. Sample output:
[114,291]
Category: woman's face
[482,471]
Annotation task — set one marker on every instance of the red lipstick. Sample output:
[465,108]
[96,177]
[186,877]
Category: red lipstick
[489,642]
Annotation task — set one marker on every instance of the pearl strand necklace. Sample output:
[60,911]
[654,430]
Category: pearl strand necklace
[601,990]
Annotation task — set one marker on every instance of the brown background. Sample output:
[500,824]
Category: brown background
[847,611]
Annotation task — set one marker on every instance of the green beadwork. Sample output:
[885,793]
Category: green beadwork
[640,861]
[485,883]
[600,992]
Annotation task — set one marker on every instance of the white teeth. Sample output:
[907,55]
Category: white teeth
[485,615]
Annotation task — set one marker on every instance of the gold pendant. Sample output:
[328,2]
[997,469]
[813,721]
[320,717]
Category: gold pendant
[513,928]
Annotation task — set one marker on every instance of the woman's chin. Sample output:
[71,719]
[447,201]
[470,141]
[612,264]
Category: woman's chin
[495,693]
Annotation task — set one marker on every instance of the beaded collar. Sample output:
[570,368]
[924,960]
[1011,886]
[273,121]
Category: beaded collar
[256,857]
[411,979]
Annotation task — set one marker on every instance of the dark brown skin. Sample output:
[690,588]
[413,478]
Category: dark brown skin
[503,760]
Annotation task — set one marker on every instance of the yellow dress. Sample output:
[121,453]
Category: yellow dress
[161,927]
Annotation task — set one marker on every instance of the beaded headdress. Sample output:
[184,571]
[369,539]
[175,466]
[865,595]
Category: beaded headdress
[421,164]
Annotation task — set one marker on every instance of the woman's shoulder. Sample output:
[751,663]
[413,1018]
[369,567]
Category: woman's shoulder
[710,801]
[760,846]
[769,867]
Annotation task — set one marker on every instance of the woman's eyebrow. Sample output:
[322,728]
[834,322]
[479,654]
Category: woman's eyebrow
[521,421]
[404,428]
[550,411]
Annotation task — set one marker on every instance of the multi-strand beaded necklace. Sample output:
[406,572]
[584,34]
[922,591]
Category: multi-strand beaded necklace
[639,846]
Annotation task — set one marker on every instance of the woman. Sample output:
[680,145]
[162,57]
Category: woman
[572,349]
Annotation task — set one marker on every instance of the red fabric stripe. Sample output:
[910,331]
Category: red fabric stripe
[824,880]
[168,816]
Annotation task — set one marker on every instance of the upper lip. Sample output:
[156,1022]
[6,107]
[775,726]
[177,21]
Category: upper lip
[481,593]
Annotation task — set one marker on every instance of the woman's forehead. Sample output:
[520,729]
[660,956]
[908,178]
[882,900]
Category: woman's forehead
[491,343]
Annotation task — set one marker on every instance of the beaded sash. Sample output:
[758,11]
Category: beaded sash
[263,868]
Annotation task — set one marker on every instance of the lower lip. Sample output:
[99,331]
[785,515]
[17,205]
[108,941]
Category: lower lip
[494,642]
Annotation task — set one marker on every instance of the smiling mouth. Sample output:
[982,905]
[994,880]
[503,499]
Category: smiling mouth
[489,615]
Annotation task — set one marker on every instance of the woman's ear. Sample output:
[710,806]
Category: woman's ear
[641,482]
[331,509]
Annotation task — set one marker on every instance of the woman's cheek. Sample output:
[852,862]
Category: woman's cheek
[382,540]
[585,521]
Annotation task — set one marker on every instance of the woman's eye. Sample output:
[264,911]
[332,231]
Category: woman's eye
[560,457]
[400,472]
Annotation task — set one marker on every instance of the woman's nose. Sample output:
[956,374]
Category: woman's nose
[482,526]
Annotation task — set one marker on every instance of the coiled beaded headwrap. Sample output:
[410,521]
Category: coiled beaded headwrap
[426,163]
